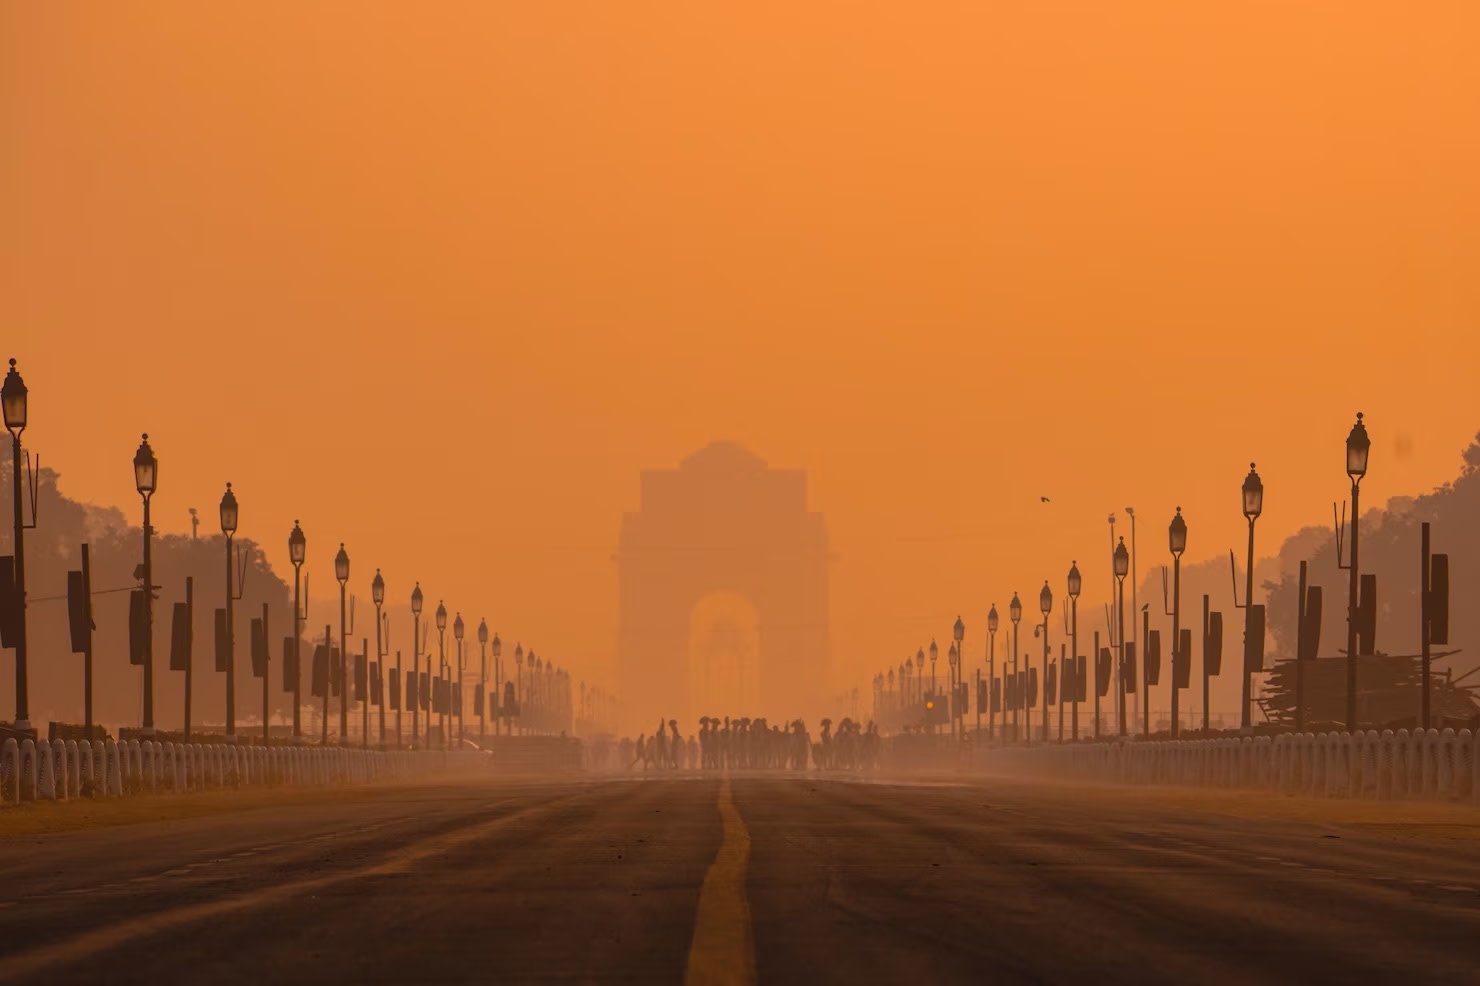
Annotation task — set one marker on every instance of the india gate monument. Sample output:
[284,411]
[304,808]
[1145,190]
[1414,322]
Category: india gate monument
[722,583]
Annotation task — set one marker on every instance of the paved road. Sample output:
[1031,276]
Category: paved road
[780,879]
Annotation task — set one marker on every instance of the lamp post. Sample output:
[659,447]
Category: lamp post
[441,618]
[498,687]
[14,399]
[414,694]
[377,596]
[1143,699]
[228,528]
[1253,491]
[934,654]
[518,685]
[1045,605]
[146,476]
[958,634]
[482,678]
[297,551]
[1015,614]
[1122,566]
[341,573]
[1358,445]
[1177,542]
[536,696]
[992,623]
[1076,584]
[953,659]
[456,689]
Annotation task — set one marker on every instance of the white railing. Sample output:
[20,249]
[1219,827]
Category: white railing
[1424,764]
[42,770]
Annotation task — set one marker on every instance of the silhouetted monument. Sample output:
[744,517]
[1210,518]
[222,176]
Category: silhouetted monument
[722,581]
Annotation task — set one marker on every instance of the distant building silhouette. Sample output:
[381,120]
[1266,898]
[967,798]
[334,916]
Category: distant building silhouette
[723,590]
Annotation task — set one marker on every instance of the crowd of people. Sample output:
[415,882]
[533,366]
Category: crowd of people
[750,744]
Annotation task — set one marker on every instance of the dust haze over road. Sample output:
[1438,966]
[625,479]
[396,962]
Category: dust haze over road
[753,877]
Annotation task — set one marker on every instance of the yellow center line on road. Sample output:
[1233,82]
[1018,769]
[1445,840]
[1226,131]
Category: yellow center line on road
[723,950]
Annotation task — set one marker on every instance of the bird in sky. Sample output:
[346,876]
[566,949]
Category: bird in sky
[1043,499]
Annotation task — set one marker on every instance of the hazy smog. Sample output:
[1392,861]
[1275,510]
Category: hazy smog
[740,493]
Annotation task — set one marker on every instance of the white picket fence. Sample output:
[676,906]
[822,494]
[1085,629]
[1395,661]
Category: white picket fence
[42,770]
[1432,765]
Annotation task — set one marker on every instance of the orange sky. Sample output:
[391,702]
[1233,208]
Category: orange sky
[442,279]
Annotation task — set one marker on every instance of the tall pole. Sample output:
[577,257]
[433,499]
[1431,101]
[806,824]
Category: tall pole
[298,618]
[1207,714]
[87,656]
[1177,657]
[328,682]
[230,644]
[189,652]
[1117,683]
[1143,699]
[1094,686]
[1423,619]
[1352,603]
[148,726]
[364,696]
[344,678]
[1074,662]
[1248,675]
[1358,446]
[1300,648]
[416,678]
[1144,644]
[1045,678]
[1062,683]
[266,678]
[482,680]
[441,674]
[1015,704]
[380,656]
[458,692]
[1120,648]
[991,683]
[22,698]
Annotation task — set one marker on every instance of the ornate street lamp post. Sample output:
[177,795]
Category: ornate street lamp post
[958,635]
[934,654]
[519,687]
[1253,491]
[992,624]
[297,551]
[14,401]
[377,596]
[498,684]
[146,476]
[1177,542]
[413,694]
[441,618]
[457,634]
[1122,566]
[1076,584]
[482,678]
[1045,606]
[1358,446]
[953,659]
[1015,614]
[341,573]
[228,528]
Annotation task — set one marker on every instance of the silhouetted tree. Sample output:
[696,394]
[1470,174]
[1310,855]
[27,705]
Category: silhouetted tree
[54,547]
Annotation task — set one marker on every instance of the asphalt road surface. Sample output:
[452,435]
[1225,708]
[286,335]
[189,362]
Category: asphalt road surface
[768,879]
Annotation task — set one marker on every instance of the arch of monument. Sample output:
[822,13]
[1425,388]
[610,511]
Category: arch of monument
[722,593]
